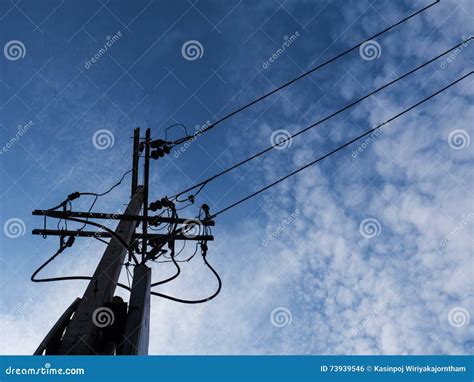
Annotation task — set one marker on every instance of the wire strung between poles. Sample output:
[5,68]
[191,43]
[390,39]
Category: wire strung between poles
[212,125]
[340,147]
[205,182]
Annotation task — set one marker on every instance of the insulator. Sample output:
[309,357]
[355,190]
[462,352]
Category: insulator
[70,241]
[157,143]
[73,196]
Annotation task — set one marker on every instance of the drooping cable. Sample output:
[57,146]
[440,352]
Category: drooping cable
[111,188]
[63,278]
[183,301]
[120,240]
[171,278]
[78,278]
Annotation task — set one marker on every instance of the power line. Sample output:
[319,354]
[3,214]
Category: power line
[203,183]
[183,301]
[209,127]
[340,147]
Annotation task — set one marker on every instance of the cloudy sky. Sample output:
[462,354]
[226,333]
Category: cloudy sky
[369,252]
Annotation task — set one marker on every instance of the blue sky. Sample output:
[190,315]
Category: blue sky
[299,252]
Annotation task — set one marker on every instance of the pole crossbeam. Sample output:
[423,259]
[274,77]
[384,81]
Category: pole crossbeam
[150,236]
[152,220]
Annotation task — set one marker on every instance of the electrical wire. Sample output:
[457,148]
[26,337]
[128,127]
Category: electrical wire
[120,240]
[205,182]
[111,188]
[177,254]
[77,278]
[183,301]
[178,271]
[181,261]
[63,278]
[173,231]
[341,147]
[77,194]
[308,72]
[175,125]
[128,274]
[96,196]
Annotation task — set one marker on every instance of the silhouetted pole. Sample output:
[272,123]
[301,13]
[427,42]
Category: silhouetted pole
[82,334]
[137,330]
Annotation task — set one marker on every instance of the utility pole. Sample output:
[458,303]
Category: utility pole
[99,322]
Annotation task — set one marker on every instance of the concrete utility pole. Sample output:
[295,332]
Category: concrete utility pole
[82,333]
[99,323]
